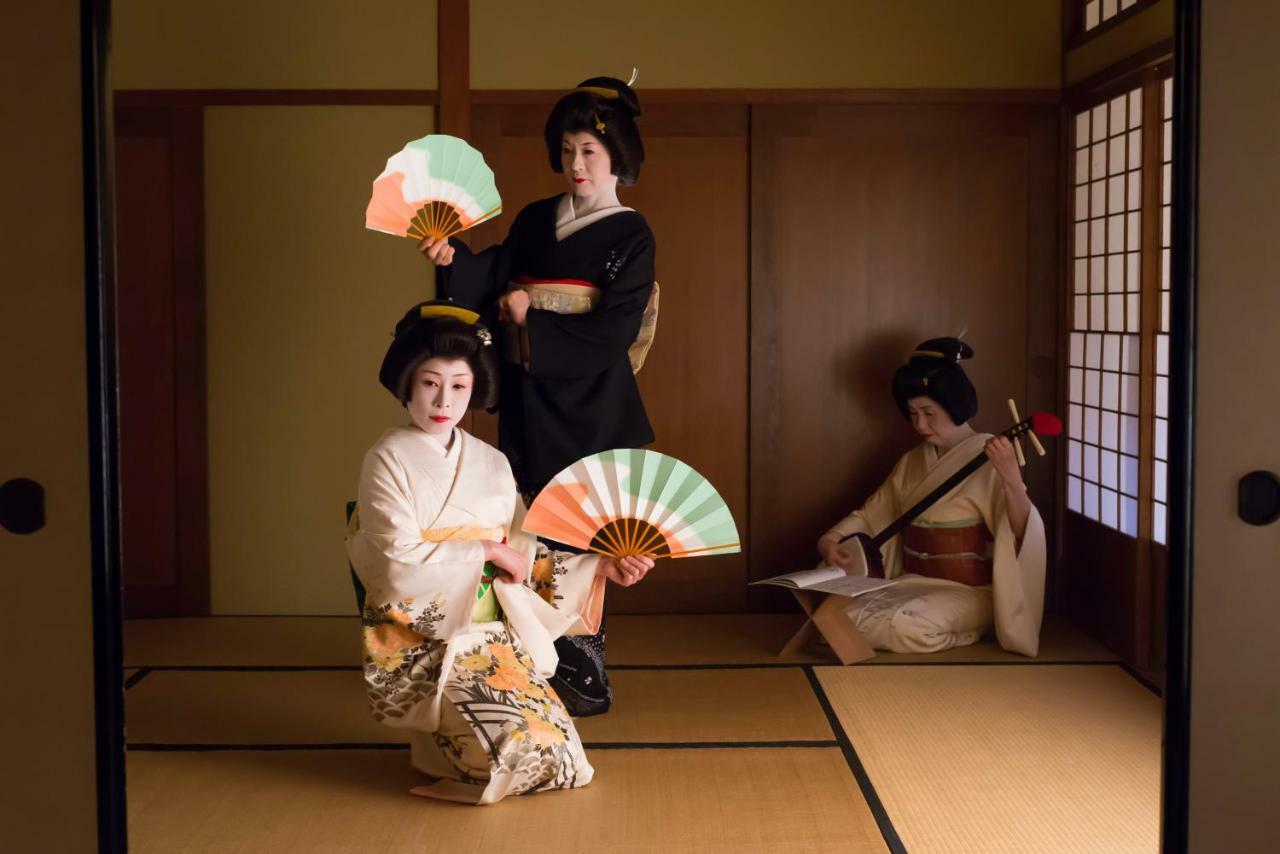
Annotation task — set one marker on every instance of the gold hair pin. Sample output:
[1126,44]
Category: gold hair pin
[598,90]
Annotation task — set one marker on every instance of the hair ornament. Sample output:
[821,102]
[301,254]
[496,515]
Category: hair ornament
[601,91]
[936,354]
[485,336]
[445,308]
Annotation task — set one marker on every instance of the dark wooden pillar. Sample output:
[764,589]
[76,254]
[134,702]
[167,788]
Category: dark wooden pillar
[453,55]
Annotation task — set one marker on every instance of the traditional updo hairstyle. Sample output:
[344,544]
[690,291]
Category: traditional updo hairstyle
[934,371]
[447,336]
[606,108]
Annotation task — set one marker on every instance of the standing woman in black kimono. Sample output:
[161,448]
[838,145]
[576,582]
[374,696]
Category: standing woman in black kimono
[570,285]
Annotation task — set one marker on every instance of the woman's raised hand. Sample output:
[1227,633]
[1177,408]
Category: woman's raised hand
[437,250]
[625,571]
[1000,452]
[513,565]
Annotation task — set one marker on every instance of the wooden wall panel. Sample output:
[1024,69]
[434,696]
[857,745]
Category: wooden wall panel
[1103,594]
[873,228]
[159,161]
[693,191]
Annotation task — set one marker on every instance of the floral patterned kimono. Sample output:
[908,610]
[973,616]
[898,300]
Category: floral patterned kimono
[452,654]
[958,566]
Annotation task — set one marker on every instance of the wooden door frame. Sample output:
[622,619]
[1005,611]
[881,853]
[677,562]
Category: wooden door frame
[104,507]
[1175,793]
[103,478]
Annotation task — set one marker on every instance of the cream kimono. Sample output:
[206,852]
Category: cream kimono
[958,566]
[470,688]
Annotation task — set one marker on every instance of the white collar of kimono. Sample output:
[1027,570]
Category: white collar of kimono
[964,447]
[568,221]
[447,447]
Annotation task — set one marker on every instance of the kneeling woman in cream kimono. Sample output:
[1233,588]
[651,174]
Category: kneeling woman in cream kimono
[974,558]
[459,618]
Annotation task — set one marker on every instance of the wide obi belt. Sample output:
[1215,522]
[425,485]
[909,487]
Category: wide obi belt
[486,608]
[572,296]
[960,553]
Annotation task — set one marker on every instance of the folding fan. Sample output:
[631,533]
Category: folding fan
[632,502]
[436,186]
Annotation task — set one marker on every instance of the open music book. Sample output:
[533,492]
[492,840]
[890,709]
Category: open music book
[828,579]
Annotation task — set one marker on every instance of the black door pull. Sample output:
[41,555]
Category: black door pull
[1259,497]
[21,506]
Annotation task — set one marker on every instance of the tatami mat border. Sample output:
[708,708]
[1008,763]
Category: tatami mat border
[842,740]
[767,665]
[158,747]
[865,785]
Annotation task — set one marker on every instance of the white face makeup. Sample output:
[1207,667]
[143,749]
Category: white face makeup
[932,423]
[586,164]
[439,393]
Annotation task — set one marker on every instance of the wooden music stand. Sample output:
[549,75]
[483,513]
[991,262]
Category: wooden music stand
[826,616]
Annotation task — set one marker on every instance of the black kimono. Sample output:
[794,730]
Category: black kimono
[577,394]
[567,386]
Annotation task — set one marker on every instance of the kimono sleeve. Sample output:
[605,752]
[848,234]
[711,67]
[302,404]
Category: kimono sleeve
[1017,585]
[429,586]
[573,346]
[879,510]
[563,595]
[876,514]
[476,280]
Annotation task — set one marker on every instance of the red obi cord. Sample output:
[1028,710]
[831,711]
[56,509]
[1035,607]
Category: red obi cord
[529,280]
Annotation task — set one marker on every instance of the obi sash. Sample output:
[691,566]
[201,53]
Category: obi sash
[960,553]
[486,607]
[573,296]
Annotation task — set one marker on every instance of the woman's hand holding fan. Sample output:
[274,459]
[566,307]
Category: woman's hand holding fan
[437,250]
[625,571]
[432,189]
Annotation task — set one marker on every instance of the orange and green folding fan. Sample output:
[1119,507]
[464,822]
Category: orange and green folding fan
[631,502]
[436,186]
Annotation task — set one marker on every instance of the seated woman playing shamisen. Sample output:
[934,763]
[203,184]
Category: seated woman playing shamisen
[459,619]
[977,556]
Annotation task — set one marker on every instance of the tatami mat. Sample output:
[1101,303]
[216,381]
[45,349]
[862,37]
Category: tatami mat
[1060,643]
[701,638]
[757,638]
[709,705]
[1007,759]
[642,801]
[633,639]
[242,641]
[290,707]
[680,639]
